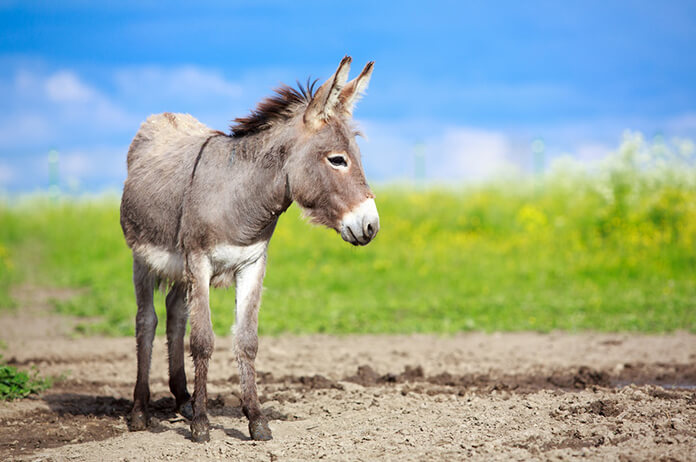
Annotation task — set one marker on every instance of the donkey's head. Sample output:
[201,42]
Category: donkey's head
[325,174]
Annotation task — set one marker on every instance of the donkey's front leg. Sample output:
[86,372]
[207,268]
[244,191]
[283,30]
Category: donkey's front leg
[202,341]
[249,282]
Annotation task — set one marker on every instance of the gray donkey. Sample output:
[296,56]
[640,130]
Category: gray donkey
[199,208]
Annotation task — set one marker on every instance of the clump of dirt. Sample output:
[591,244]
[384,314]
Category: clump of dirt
[659,392]
[46,429]
[216,403]
[583,378]
[604,407]
[317,382]
[576,440]
[672,375]
[305,382]
[366,376]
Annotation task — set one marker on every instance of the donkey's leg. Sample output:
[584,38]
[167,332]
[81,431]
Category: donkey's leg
[202,341]
[145,325]
[249,282]
[177,315]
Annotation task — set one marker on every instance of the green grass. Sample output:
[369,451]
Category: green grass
[609,250]
[15,384]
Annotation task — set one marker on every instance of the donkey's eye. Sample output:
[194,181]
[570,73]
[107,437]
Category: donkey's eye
[338,161]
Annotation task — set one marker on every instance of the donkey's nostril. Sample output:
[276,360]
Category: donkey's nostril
[369,230]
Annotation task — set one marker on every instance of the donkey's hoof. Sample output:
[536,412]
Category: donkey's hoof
[200,431]
[137,421]
[186,410]
[259,431]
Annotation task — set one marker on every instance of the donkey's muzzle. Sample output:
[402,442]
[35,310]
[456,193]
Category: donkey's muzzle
[360,225]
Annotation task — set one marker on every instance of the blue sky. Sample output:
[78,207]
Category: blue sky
[473,82]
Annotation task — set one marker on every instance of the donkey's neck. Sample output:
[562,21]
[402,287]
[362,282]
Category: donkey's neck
[235,195]
[257,163]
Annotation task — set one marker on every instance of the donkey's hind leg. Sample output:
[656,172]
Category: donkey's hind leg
[177,315]
[145,325]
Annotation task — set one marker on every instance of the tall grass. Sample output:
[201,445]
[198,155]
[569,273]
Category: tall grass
[604,248]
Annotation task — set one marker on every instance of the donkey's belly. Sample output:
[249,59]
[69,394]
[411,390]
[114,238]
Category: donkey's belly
[227,259]
[224,260]
[161,261]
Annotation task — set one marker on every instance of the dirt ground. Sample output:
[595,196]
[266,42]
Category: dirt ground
[519,396]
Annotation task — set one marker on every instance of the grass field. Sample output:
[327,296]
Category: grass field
[611,249]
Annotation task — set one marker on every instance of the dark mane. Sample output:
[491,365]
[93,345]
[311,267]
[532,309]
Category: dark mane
[274,108]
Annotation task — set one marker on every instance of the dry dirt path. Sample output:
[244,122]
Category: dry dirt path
[513,396]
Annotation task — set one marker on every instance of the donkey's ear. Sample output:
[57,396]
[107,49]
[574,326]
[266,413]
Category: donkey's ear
[325,100]
[355,89]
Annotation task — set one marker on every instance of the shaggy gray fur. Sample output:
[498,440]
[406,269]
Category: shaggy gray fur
[199,208]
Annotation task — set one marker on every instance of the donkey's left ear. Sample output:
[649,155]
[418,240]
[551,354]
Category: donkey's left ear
[355,89]
[325,100]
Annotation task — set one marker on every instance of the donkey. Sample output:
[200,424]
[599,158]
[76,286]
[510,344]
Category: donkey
[199,207]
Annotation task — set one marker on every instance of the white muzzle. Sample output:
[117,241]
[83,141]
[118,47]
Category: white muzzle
[360,225]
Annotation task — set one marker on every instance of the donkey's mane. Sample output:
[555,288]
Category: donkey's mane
[281,106]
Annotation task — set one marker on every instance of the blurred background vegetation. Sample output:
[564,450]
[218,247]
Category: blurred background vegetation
[608,247]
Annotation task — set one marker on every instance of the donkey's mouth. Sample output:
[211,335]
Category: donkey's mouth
[349,236]
[360,225]
[357,238]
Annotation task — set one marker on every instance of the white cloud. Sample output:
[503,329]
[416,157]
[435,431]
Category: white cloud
[23,129]
[103,162]
[207,94]
[592,152]
[387,150]
[25,83]
[7,174]
[58,109]
[66,87]
[77,164]
[469,154]
[451,153]
[180,83]
[683,123]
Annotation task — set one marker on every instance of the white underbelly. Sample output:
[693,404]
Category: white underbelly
[225,260]
[164,263]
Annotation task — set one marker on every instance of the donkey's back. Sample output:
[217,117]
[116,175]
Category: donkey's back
[160,160]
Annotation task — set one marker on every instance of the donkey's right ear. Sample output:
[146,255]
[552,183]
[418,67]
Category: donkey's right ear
[325,100]
[355,89]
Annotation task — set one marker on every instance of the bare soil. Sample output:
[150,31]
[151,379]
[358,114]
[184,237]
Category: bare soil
[516,396]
